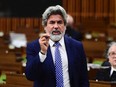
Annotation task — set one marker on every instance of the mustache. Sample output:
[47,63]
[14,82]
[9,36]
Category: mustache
[56,31]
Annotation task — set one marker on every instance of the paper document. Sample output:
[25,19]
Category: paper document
[18,39]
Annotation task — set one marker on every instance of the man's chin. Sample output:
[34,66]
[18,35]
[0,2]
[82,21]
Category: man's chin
[55,37]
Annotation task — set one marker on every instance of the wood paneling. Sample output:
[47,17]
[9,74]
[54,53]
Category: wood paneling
[79,9]
[94,49]
[12,24]
[99,9]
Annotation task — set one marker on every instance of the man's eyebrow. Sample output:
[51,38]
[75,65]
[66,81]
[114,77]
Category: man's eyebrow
[52,21]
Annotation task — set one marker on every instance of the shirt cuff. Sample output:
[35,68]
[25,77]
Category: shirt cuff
[42,57]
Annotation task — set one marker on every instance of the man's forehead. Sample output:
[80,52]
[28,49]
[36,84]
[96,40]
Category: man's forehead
[55,19]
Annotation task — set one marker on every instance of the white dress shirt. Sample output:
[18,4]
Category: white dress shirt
[63,58]
[112,69]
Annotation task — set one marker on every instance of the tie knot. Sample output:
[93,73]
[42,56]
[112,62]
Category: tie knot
[57,44]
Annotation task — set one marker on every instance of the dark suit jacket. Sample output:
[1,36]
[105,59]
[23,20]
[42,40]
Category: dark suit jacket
[71,32]
[103,74]
[43,74]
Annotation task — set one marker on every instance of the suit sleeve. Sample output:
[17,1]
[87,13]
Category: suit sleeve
[33,69]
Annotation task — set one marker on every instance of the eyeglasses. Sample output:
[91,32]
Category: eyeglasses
[112,54]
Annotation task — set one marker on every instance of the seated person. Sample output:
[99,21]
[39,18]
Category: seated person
[71,31]
[106,63]
[109,74]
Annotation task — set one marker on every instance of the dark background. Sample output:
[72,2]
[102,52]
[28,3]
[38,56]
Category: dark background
[25,8]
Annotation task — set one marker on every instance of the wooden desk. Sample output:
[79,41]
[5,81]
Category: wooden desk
[16,80]
[92,73]
[94,49]
[11,85]
[94,83]
[11,67]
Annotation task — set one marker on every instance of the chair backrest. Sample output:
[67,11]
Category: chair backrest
[94,49]
[11,67]
[7,57]
[111,33]
[19,80]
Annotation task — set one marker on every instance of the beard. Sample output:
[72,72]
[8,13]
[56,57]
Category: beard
[56,37]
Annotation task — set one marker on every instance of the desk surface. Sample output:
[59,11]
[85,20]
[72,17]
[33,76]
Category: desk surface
[94,83]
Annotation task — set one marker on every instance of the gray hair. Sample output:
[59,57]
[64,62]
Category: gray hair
[54,10]
[108,47]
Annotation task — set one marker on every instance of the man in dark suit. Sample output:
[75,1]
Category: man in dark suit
[41,60]
[71,31]
[109,74]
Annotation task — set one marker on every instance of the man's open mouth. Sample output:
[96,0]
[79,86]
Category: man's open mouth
[56,32]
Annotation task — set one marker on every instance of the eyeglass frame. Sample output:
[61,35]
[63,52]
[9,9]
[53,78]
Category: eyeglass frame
[112,54]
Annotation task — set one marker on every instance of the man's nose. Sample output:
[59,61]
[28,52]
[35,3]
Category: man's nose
[55,25]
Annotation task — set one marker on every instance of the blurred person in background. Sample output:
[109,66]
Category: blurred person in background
[71,31]
[109,74]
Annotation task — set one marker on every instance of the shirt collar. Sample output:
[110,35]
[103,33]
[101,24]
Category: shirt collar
[61,42]
[113,69]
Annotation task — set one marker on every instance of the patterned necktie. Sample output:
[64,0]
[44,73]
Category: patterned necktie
[58,66]
[113,76]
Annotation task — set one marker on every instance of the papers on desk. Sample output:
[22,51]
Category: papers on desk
[96,66]
[113,82]
[91,65]
[18,39]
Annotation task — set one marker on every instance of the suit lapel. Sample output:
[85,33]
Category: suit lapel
[69,51]
[50,61]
